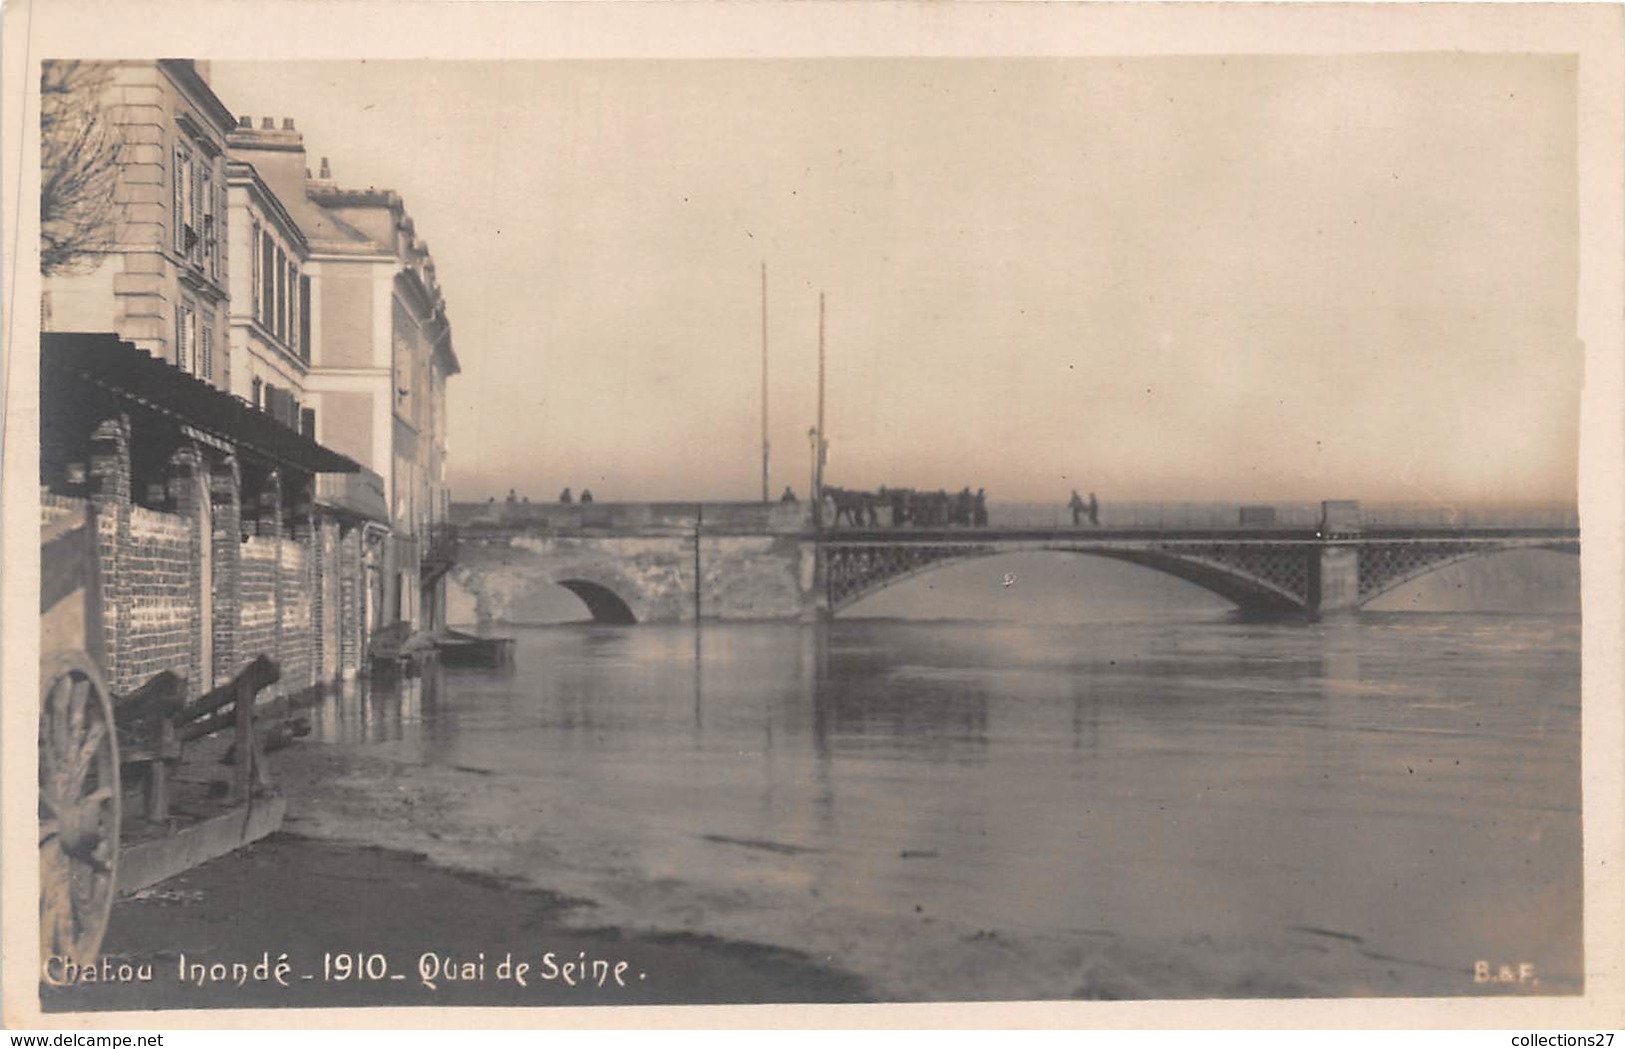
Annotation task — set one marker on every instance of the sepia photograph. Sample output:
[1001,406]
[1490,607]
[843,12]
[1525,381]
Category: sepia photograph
[964,525]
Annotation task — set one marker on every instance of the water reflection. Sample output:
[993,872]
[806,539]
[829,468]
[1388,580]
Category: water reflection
[1402,778]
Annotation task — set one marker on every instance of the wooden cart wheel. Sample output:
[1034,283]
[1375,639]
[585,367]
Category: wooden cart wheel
[79,807]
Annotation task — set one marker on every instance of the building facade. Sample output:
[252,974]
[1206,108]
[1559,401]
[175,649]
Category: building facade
[183,412]
[270,300]
[163,283]
[380,354]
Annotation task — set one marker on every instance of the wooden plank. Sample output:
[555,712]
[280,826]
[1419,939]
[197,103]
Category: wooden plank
[147,863]
[63,567]
[257,674]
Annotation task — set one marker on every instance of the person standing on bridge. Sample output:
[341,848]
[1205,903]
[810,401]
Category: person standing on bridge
[586,495]
[565,497]
[1094,510]
[1077,507]
[789,495]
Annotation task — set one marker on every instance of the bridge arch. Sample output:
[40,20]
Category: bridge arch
[604,603]
[1257,577]
[1383,570]
[858,573]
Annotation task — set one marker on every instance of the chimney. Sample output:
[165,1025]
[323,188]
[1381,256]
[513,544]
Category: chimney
[287,123]
[327,172]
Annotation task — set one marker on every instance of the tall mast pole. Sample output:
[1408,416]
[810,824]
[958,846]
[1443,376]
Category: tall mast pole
[818,493]
[764,381]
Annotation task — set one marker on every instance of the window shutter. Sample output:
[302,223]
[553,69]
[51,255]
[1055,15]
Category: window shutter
[304,317]
[208,352]
[177,219]
[180,337]
[293,306]
[211,227]
[280,314]
[268,281]
[254,269]
[195,254]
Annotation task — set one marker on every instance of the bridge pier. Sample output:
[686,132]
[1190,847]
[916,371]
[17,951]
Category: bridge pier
[1334,578]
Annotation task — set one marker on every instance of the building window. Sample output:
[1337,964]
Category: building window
[293,306]
[304,318]
[185,235]
[194,216]
[268,281]
[280,316]
[254,269]
[206,220]
[259,394]
[180,337]
[188,352]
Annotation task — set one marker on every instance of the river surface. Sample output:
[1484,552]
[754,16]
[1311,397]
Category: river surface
[1152,802]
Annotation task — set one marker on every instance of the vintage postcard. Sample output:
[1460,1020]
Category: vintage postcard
[916,514]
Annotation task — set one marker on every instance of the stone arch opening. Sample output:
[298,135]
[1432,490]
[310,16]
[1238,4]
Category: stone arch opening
[605,605]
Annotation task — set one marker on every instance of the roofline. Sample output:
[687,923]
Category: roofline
[166,390]
[442,346]
[247,173]
[184,72]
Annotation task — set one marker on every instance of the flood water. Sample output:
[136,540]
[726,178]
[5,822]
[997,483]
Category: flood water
[1150,802]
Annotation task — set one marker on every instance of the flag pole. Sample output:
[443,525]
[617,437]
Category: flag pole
[765,494]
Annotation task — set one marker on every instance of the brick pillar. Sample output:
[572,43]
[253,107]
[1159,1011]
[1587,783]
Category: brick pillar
[349,591]
[327,609]
[303,527]
[186,495]
[110,498]
[268,507]
[318,602]
[225,491]
[268,525]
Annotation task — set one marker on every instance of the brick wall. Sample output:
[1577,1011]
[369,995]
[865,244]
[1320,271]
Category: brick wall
[296,599]
[351,581]
[296,635]
[227,556]
[53,508]
[257,597]
[325,609]
[156,568]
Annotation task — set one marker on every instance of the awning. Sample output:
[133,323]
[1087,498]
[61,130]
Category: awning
[128,372]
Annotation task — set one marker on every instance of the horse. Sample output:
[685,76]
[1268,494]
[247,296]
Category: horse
[848,504]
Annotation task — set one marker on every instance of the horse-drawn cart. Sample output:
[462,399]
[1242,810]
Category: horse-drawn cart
[95,744]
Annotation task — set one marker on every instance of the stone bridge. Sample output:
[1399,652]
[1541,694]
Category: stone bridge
[666,562]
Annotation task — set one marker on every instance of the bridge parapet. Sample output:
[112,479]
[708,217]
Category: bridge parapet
[719,518]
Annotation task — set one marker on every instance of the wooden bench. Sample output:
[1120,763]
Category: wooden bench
[155,721]
[147,737]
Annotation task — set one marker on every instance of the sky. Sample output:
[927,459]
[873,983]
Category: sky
[1244,278]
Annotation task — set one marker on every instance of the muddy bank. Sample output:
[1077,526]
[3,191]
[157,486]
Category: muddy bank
[322,904]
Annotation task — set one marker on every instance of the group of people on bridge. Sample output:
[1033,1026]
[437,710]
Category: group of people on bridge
[564,497]
[939,509]
[907,506]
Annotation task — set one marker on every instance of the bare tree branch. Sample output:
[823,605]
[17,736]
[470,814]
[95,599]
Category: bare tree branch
[79,156]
